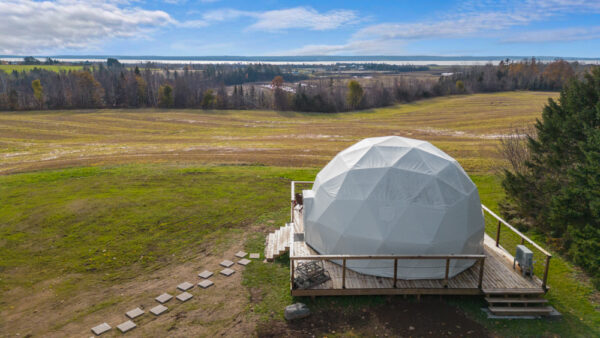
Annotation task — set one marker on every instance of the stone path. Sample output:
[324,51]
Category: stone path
[226,263]
[165,297]
[205,283]
[133,314]
[227,272]
[205,274]
[182,297]
[244,262]
[100,329]
[127,326]
[158,310]
[185,286]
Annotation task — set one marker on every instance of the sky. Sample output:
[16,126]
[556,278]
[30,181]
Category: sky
[567,28]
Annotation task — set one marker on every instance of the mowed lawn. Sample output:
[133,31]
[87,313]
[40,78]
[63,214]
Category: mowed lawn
[114,198]
[467,127]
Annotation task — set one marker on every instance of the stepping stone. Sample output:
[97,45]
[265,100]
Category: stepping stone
[165,297]
[185,286]
[227,272]
[205,274]
[127,326]
[226,263]
[158,310]
[185,296]
[241,254]
[255,255]
[135,313]
[244,261]
[205,283]
[100,329]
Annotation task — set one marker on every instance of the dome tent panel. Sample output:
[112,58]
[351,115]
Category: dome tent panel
[395,196]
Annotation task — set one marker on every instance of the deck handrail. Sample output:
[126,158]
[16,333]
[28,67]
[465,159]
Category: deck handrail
[375,257]
[520,234]
[395,258]
[523,240]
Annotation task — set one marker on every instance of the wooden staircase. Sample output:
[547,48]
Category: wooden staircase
[517,302]
[278,242]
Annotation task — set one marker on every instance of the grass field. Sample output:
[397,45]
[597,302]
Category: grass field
[111,205]
[27,68]
[466,127]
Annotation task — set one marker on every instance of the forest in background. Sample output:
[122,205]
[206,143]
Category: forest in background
[263,86]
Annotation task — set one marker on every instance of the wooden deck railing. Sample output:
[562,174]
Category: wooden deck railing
[395,258]
[523,240]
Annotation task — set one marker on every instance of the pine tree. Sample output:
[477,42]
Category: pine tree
[559,191]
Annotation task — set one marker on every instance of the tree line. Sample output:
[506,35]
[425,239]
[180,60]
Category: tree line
[553,181]
[112,85]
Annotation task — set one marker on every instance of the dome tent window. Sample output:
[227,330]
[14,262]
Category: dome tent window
[394,196]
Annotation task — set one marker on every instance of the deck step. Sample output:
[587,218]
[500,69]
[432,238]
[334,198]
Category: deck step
[512,292]
[269,247]
[278,242]
[520,311]
[499,300]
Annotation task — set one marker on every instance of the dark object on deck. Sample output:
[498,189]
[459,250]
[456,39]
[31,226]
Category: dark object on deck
[296,311]
[310,274]
[298,198]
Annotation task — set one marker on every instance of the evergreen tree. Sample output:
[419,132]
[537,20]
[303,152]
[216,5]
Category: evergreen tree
[559,191]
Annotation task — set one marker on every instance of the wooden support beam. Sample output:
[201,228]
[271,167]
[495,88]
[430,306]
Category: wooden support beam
[545,279]
[395,271]
[481,265]
[344,273]
[447,270]
[498,234]
[292,275]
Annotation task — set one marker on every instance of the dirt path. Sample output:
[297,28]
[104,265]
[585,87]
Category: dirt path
[216,311]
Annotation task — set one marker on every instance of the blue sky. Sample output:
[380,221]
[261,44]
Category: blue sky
[257,27]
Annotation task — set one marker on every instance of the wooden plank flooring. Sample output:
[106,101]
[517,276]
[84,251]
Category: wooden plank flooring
[498,275]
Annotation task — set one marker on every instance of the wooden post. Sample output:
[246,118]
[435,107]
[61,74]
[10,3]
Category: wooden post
[395,271]
[546,272]
[447,270]
[522,240]
[481,265]
[293,268]
[344,273]
[498,234]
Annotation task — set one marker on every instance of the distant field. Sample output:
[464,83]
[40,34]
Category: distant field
[20,68]
[467,127]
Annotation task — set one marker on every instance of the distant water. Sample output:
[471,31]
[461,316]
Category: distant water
[306,60]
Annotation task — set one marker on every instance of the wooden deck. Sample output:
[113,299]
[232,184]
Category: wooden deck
[499,277]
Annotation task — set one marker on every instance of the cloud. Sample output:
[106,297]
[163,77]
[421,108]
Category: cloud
[30,26]
[473,18]
[284,19]
[555,35]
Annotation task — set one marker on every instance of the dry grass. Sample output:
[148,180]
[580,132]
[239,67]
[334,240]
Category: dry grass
[466,127]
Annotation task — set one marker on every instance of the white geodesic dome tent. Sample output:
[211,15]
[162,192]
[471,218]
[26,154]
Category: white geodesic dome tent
[394,196]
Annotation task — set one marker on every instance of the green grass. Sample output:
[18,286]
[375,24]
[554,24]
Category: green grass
[28,68]
[100,221]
